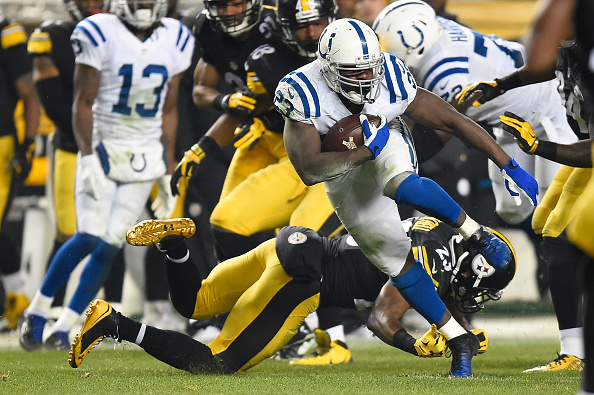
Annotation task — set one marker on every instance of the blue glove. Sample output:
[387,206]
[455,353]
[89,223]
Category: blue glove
[375,138]
[518,180]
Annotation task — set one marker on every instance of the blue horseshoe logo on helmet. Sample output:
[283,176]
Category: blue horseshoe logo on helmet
[410,47]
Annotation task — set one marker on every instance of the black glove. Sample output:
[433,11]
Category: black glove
[21,162]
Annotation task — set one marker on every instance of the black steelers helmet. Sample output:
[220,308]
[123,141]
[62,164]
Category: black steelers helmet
[475,282]
[234,25]
[292,13]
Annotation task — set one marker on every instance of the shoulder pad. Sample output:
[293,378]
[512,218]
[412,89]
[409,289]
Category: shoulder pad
[12,34]
[199,21]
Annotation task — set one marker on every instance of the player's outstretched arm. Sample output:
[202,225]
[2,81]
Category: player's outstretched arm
[578,154]
[430,110]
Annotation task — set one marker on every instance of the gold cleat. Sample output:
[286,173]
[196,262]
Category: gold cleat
[101,322]
[562,362]
[152,231]
[328,353]
[14,307]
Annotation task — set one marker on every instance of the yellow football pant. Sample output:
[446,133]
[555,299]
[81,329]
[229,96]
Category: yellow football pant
[266,305]
[555,211]
[263,191]
[7,145]
[63,191]
[580,230]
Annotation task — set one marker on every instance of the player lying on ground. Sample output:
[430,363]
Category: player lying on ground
[271,289]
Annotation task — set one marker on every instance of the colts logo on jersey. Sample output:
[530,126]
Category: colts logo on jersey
[297,238]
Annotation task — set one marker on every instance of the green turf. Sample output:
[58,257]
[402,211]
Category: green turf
[377,369]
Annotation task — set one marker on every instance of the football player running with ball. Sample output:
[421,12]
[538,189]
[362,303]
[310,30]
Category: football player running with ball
[126,78]
[350,76]
[271,289]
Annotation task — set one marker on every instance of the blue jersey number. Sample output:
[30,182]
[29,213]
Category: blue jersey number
[481,49]
[122,106]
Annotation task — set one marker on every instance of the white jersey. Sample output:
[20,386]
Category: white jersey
[357,195]
[304,96]
[135,74]
[462,56]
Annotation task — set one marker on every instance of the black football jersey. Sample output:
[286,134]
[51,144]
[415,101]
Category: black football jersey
[14,63]
[227,54]
[348,278]
[52,38]
[265,67]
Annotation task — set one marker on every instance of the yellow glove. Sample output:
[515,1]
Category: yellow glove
[239,103]
[431,344]
[483,339]
[521,130]
[186,168]
[248,134]
[489,89]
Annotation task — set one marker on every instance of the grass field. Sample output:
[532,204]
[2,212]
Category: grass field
[376,369]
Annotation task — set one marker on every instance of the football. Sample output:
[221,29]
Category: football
[347,133]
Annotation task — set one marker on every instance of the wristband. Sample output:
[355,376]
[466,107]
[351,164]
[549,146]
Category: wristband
[208,145]
[546,149]
[218,101]
[509,82]
[404,341]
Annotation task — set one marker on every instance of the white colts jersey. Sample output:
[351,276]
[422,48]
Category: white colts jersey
[462,56]
[357,195]
[303,95]
[135,74]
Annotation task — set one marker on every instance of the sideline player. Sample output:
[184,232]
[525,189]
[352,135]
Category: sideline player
[126,78]
[351,76]
[16,83]
[271,289]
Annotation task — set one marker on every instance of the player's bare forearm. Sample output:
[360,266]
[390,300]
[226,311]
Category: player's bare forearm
[578,154]
[170,120]
[430,110]
[303,146]
[206,78]
[384,318]
[223,130]
[553,24]
[86,85]
[26,91]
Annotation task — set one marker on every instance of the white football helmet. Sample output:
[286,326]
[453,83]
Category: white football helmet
[407,29]
[136,14]
[350,45]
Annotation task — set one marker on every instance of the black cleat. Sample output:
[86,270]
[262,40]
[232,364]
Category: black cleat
[463,348]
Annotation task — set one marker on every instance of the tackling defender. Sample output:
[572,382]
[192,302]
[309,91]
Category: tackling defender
[271,289]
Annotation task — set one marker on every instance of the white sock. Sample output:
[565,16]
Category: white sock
[572,342]
[13,282]
[451,329]
[67,320]
[336,333]
[180,260]
[40,305]
[469,226]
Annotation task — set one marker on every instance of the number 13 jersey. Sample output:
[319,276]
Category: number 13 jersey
[135,74]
